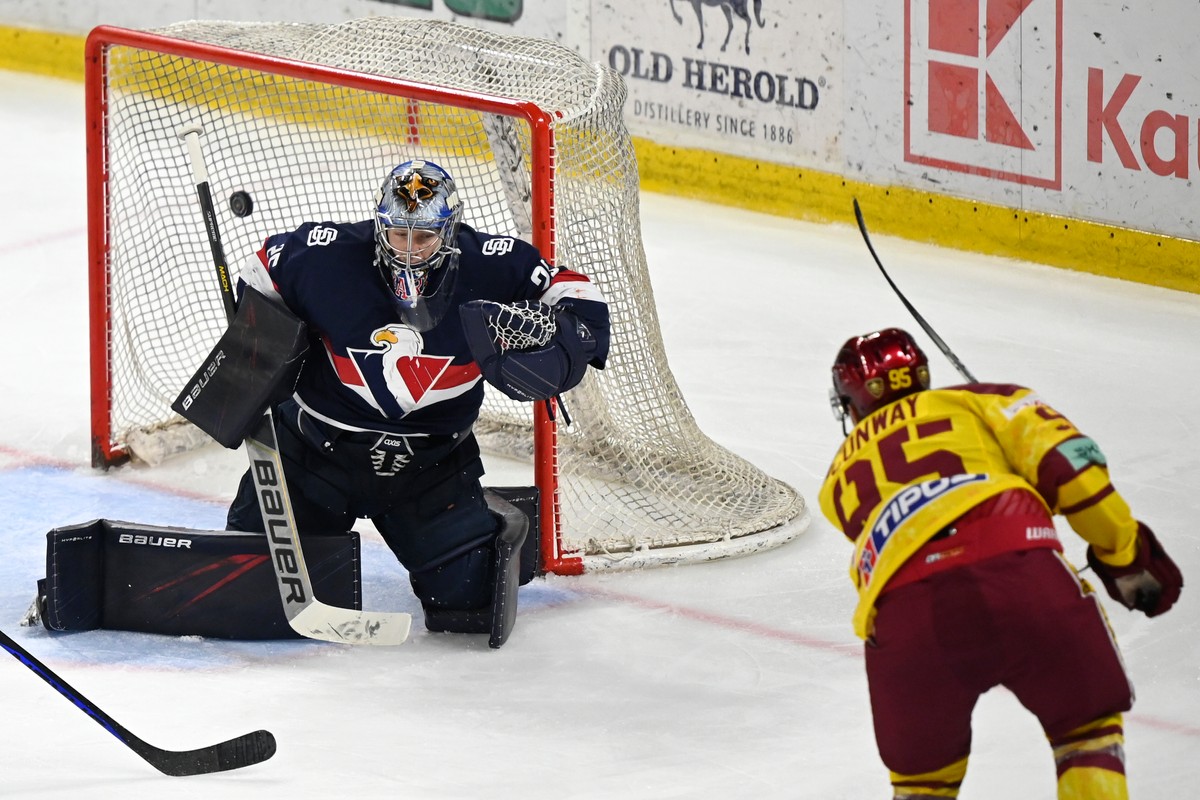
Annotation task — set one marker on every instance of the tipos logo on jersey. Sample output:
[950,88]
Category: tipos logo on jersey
[899,510]
[397,377]
[984,88]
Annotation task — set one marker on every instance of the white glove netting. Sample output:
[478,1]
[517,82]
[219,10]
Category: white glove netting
[522,325]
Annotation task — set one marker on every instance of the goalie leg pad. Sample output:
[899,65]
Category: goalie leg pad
[183,582]
[527,500]
[514,527]
[255,363]
[461,584]
[442,532]
[500,615]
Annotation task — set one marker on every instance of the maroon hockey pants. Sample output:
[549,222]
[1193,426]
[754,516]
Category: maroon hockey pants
[1018,620]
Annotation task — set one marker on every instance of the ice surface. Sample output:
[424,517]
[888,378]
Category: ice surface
[727,680]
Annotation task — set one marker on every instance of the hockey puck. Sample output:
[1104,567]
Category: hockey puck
[241,204]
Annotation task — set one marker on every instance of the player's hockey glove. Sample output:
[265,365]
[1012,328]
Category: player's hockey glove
[1150,584]
[528,350]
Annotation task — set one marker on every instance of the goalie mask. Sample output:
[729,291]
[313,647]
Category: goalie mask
[874,370]
[417,214]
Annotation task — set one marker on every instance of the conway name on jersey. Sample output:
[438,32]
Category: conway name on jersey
[914,466]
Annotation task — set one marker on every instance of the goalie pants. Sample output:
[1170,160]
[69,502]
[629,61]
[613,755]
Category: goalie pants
[1022,620]
[422,493]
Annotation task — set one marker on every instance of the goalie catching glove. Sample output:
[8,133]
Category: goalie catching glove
[1150,583]
[528,350]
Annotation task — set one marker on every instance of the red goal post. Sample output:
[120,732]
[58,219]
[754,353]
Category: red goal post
[305,118]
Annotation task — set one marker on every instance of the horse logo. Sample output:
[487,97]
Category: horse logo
[729,8]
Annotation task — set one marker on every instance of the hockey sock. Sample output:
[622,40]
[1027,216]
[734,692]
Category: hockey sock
[1091,761]
[943,782]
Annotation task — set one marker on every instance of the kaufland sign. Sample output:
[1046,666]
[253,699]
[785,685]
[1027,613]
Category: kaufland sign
[1085,109]
[1082,108]
[984,88]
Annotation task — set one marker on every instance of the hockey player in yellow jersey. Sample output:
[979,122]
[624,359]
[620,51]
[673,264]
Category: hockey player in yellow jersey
[949,497]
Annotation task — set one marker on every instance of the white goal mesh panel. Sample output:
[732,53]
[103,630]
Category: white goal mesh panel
[307,119]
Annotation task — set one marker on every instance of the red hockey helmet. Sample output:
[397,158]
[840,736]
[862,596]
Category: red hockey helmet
[876,369]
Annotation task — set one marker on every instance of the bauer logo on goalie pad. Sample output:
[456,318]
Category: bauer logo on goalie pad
[154,541]
[205,376]
[254,364]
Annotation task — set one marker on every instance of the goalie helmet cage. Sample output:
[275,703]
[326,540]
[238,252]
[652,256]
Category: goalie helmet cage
[306,119]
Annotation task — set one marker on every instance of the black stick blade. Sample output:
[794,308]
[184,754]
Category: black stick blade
[250,748]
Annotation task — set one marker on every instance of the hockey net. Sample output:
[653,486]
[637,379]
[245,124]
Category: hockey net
[306,119]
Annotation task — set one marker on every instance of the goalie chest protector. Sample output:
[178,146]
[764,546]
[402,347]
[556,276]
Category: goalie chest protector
[183,582]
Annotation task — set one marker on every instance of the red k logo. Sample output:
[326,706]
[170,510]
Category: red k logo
[983,80]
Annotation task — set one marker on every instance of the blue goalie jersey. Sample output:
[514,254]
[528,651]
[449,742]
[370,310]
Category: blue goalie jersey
[366,369]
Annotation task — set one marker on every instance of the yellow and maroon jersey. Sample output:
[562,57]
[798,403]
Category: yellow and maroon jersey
[915,466]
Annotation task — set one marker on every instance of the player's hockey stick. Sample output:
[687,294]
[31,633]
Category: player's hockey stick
[307,615]
[250,748]
[937,340]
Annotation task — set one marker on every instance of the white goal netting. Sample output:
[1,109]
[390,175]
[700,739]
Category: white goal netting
[638,482]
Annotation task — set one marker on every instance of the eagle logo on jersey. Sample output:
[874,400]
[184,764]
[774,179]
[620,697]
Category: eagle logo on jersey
[414,189]
[397,377]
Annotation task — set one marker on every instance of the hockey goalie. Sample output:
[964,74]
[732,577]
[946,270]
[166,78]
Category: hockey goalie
[370,342]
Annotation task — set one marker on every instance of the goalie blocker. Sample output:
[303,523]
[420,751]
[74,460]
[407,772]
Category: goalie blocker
[255,364]
[184,582]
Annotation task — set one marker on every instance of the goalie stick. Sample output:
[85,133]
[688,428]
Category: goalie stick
[307,615]
[937,340]
[250,748]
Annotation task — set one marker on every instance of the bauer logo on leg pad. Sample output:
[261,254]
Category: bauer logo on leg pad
[202,379]
[153,541]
